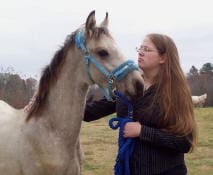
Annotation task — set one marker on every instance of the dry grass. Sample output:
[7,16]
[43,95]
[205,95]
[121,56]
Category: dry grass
[99,144]
[201,161]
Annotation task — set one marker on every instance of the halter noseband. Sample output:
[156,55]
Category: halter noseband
[115,75]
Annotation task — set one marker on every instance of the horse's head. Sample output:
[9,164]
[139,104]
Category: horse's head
[103,53]
[103,64]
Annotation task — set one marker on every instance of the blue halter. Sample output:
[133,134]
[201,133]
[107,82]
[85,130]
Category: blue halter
[115,75]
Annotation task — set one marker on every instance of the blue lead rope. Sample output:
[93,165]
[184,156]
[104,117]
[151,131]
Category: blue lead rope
[125,145]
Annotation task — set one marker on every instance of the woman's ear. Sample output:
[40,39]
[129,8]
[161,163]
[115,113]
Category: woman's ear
[162,59]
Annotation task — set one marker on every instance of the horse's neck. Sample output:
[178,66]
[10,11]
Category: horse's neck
[66,100]
[202,98]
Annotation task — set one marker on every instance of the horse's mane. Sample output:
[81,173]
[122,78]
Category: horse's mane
[49,76]
[51,72]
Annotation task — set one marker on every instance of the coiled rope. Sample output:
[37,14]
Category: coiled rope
[125,145]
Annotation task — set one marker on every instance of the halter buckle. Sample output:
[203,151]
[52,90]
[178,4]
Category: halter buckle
[111,79]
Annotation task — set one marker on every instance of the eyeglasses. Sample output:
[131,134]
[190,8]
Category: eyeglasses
[145,49]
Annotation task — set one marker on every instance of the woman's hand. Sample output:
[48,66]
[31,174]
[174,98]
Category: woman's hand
[29,105]
[132,129]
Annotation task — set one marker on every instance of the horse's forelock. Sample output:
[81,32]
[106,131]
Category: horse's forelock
[101,30]
[98,32]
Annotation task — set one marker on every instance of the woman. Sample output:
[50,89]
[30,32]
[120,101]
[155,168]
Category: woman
[164,127]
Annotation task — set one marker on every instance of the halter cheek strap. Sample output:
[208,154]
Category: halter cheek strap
[115,75]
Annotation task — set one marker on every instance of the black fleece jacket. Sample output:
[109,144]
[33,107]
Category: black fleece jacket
[156,151]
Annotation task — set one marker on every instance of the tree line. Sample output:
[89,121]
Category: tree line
[17,91]
[201,81]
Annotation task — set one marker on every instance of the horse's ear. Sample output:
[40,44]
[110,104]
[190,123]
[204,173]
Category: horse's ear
[90,23]
[105,21]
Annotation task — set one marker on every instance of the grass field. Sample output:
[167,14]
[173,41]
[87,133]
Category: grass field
[99,144]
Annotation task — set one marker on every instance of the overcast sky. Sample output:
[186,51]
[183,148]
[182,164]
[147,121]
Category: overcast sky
[31,31]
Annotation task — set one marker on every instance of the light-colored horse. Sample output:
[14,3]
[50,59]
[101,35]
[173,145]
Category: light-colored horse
[48,142]
[199,101]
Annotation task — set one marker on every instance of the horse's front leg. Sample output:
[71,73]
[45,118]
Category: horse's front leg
[75,165]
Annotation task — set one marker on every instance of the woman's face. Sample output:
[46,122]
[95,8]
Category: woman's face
[148,56]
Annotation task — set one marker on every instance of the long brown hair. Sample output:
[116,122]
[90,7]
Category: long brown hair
[173,93]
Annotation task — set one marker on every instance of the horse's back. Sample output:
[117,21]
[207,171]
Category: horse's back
[195,99]
[7,111]
[199,101]
[11,121]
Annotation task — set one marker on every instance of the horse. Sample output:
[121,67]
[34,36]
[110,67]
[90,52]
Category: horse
[45,141]
[199,101]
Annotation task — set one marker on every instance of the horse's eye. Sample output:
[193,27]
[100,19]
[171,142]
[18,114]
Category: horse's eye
[103,53]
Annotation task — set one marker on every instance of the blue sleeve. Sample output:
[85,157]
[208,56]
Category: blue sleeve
[164,139]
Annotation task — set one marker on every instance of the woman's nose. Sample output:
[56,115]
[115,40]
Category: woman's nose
[141,53]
